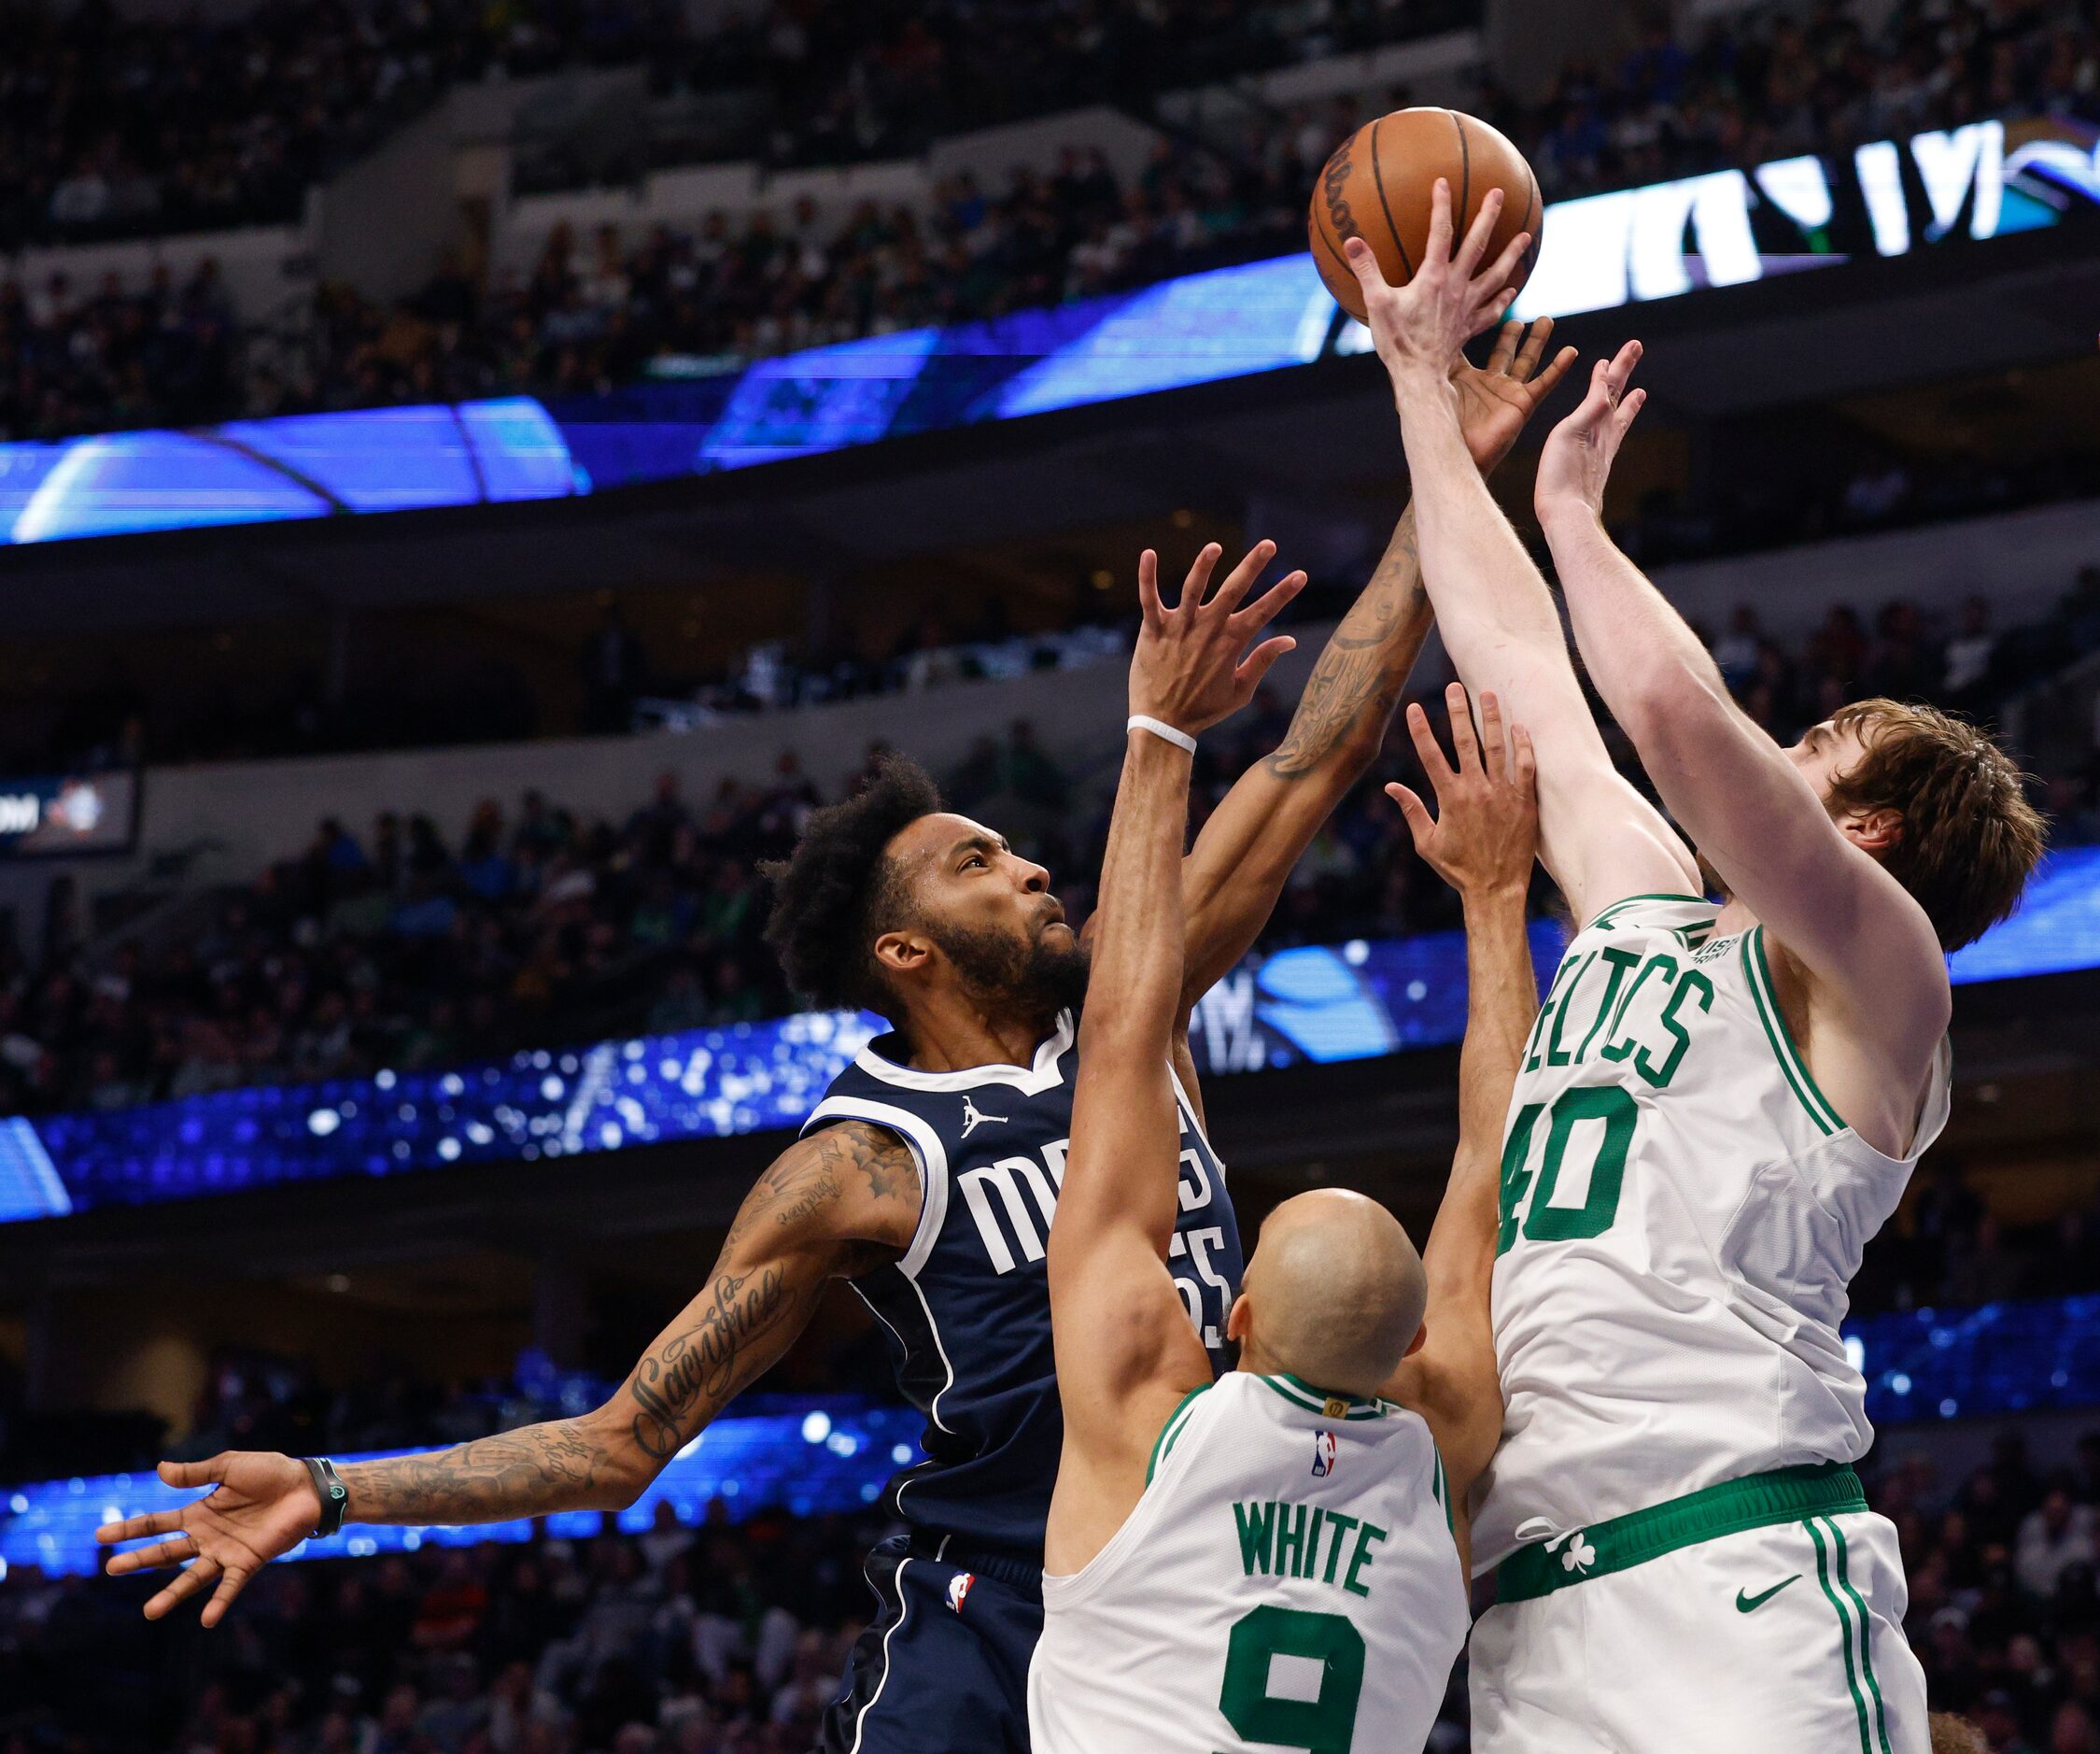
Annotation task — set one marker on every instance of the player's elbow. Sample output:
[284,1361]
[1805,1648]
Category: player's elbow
[615,1469]
[623,1491]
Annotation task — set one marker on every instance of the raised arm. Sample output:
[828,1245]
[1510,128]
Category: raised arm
[1600,839]
[1864,945]
[1243,854]
[1125,1350]
[831,1205]
[1482,843]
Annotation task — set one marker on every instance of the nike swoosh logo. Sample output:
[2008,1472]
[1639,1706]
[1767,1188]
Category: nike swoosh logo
[1747,1604]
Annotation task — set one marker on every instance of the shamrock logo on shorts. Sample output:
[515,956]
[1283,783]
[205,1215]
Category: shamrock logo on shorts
[1580,1555]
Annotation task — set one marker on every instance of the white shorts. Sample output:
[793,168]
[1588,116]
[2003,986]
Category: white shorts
[1786,1639]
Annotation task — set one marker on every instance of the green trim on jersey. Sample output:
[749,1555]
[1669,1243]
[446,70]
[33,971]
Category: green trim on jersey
[1299,1392]
[1620,1543]
[1440,1490]
[1604,914]
[1768,1013]
[1170,1430]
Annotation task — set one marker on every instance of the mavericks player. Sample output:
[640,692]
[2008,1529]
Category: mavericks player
[1718,1107]
[1268,1560]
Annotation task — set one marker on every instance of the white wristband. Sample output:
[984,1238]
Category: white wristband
[1179,739]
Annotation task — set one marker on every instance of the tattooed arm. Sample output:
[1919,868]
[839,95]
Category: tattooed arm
[832,1205]
[1238,866]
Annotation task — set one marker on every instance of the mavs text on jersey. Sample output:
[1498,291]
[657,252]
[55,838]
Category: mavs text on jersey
[968,1307]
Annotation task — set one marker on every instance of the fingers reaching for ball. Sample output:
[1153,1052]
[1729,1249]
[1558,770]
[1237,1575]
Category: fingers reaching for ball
[1450,298]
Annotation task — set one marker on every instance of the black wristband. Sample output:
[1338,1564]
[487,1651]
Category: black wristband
[329,1489]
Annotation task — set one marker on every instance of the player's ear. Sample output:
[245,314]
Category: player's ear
[1415,1345]
[1875,831]
[903,952]
[1238,1319]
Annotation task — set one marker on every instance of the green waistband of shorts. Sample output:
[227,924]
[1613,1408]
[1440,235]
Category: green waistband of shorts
[1755,1502]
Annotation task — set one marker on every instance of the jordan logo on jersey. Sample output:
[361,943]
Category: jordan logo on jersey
[973,1118]
[1323,1454]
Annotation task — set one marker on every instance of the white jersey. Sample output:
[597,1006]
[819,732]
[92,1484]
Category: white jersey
[1682,1211]
[1288,1579]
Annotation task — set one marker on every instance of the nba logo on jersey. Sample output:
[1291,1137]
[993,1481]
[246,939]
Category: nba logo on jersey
[959,1589]
[1323,1454]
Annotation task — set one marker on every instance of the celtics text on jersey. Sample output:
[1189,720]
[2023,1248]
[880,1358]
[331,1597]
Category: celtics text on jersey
[1682,1212]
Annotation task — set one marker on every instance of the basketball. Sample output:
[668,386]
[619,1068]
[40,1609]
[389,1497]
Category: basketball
[1378,184]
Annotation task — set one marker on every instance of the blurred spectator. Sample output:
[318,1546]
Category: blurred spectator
[2054,1536]
[1970,654]
[1736,651]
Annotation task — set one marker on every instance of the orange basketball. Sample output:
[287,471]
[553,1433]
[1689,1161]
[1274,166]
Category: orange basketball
[1377,186]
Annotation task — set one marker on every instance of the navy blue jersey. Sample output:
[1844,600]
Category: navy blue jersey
[968,1307]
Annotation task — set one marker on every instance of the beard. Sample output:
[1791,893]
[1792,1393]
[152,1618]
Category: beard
[1034,978]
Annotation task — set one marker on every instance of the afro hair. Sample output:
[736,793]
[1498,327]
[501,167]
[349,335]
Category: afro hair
[837,892]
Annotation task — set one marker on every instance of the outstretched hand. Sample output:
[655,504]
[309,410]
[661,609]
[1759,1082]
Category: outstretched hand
[1486,831]
[1576,462]
[1188,671]
[1496,400]
[1452,297]
[261,1506]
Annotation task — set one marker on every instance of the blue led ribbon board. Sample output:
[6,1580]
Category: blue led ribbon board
[299,466]
[701,1083]
[1314,1004]
[2027,1357]
[1728,227]
[29,1186]
[2056,930]
[816,1459]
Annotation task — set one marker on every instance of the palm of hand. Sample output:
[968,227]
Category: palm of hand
[247,1522]
[260,1505]
[1493,407]
[1188,669]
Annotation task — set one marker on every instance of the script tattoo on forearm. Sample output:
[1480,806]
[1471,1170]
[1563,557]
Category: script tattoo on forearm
[1365,663]
[704,1365]
[522,1473]
[564,1464]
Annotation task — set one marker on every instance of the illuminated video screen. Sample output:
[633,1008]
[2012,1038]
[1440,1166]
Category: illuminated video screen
[1887,198]
[1310,1005]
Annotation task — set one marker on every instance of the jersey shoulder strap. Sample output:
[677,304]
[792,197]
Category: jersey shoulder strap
[1672,913]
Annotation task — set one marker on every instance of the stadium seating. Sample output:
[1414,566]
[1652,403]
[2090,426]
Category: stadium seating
[1228,184]
[406,945]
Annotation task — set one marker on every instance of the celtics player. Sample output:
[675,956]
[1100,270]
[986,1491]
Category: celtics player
[1719,1106]
[1271,1560]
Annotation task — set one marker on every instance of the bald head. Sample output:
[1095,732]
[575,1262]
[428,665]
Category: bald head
[1334,1292]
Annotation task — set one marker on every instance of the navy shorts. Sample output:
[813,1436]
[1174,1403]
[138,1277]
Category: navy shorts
[944,1668]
